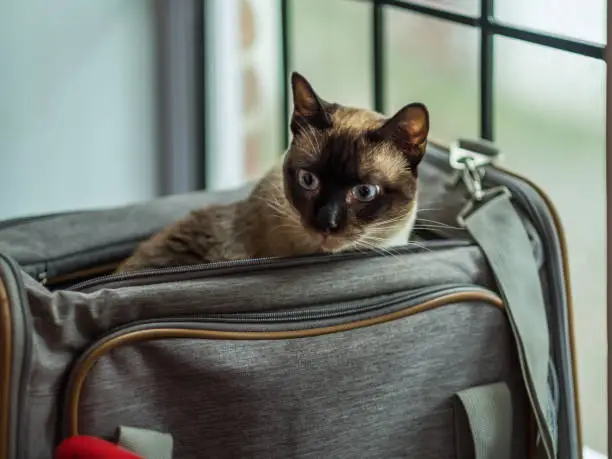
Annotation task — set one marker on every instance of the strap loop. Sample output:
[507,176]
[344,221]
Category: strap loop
[147,443]
[483,422]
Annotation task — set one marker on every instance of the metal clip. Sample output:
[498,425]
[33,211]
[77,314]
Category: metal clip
[472,177]
[469,158]
[474,203]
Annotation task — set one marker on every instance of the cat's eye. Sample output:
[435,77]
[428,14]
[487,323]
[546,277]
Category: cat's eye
[365,193]
[308,180]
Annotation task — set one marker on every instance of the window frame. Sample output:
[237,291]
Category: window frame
[489,27]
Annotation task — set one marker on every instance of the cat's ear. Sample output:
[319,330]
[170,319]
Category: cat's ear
[408,130]
[307,105]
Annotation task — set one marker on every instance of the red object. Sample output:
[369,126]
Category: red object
[84,447]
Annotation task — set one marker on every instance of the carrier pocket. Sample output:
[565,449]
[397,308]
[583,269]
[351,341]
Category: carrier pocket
[372,378]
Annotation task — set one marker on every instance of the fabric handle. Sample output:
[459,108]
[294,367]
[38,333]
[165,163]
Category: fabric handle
[483,422]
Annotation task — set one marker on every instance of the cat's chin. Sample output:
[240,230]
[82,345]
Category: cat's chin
[336,244]
[329,244]
[332,246]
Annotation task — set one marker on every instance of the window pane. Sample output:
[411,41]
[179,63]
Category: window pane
[469,7]
[332,48]
[434,62]
[260,82]
[583,19]
[77,105]
[550,125]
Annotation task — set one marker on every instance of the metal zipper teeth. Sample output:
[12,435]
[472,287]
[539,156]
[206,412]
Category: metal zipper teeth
[338,310]
[154,274]
[345,309]
[410,299]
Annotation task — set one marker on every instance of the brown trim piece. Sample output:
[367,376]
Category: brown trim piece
[6,336]
[568,287]
[82,370]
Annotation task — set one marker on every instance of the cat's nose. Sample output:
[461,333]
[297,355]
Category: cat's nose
[329,218]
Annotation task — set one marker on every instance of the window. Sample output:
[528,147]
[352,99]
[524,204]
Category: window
[497,70]
[506,70]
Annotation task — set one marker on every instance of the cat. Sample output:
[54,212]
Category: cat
[348,181]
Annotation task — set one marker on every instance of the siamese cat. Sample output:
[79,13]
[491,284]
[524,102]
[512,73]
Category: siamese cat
[348,181]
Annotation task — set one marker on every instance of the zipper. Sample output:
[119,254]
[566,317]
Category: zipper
[347,308]
[265,326]
[323,312]
[189,272]
[21,331]
[103,271]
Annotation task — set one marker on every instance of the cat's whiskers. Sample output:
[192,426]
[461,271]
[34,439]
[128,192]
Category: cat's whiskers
[386,229]
[441,224]
[275,202]
[281,211]
[433,227]
[421,246]
[416,244]
[401,218]
[394,224]
[377,248]
[429,209]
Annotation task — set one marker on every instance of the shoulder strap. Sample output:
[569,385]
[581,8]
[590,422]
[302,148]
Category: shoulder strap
[498,230]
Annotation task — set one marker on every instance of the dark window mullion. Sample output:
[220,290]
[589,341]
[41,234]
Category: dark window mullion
[378,57]
[432,12]
[286,69]
[489,28]
[497,27]
[486,69]
[180,69]
[571,45]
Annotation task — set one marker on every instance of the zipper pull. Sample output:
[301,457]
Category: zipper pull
[469,158]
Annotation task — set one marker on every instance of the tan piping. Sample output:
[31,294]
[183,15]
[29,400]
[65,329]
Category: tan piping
[166,333]
[5,360]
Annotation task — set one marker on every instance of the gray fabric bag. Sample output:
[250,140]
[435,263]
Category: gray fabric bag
[456,346]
